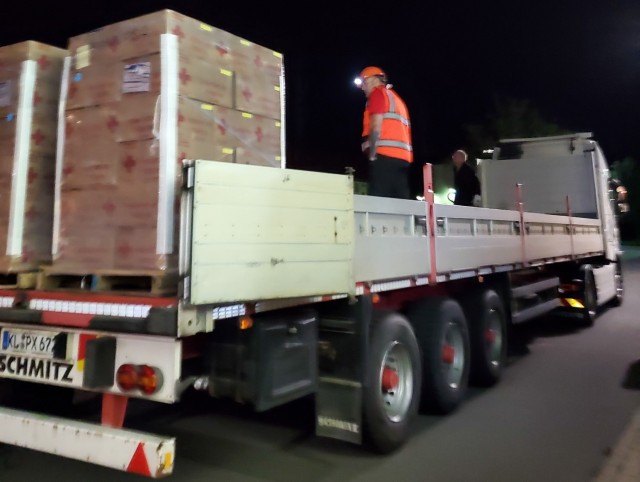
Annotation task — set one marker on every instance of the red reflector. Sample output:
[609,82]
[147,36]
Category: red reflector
[127,377]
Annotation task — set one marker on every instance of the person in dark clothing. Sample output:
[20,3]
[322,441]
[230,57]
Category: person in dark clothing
[465,181]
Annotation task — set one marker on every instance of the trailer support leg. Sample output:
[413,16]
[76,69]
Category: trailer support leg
[114,408]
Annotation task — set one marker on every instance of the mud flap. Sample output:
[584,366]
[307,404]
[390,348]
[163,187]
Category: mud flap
[343,346]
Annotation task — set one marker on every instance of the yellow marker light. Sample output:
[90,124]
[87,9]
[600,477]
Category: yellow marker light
[226,150]
[206,28]
[277,54]
[206,106]
[246,115]
[246,322]
[574,303]
[226,72]
[246,43]
[278,124]
[168,460]
[276,88]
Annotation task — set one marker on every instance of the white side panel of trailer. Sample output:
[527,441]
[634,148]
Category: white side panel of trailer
[262,233]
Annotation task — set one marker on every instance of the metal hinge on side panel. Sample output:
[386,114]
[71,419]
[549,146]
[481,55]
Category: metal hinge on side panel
[186,289]
[190,177]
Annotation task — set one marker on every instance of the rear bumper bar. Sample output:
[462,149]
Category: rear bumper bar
[119,449]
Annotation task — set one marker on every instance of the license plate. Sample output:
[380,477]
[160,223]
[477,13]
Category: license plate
[41,343]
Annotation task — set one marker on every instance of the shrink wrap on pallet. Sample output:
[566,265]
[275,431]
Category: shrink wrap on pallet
[30,74]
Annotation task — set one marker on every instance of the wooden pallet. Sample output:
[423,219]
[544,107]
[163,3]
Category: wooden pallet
[21,281]
[154,283]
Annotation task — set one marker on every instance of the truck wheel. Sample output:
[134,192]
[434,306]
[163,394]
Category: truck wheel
[619,281]
[487,336]
[442,333]
[392,385]
[589,295]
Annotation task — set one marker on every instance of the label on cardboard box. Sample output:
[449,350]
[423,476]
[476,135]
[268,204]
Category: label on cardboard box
[136,78]
[83,56]
[5,93]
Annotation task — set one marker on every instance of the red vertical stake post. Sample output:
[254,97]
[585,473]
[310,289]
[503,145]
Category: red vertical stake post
[427,175]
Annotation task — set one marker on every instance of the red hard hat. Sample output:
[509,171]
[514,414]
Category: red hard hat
[370,72]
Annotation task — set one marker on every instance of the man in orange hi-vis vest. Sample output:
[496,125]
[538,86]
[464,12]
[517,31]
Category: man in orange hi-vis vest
[386,136]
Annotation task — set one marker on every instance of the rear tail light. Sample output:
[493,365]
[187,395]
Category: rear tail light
[145,378]
[127,377]
[149,379]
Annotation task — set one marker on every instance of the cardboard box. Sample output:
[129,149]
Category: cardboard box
[141,36]
[122,81]
[228,110]
[33,219]
[258,94]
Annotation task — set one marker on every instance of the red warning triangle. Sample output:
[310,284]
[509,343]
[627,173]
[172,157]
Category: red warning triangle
[139,464]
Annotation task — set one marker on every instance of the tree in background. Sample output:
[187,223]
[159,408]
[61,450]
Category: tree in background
[510,118]
[627,171]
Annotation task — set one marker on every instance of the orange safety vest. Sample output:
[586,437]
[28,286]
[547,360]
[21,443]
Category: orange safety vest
[395,138]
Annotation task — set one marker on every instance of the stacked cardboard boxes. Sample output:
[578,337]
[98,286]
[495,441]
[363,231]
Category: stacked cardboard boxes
[139,91]
[30,74]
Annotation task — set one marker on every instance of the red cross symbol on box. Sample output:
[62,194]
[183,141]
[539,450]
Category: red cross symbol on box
[258,61]
[177,31]
[109,208]
[129,163]
[113,43]
[66,170]
[37,137]
[43,62]
[32,176]
[222,127]
[31,214]
[247,94]
[184,76]
[259,134]
[36,98]
[222,50]
[27,255]
[112,123]
[124,249]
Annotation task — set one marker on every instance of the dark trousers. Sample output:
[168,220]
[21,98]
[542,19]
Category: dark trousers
[389,177]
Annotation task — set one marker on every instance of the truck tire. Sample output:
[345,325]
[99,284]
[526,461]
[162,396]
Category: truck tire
[392,382]
[443,336]
[589,295]
[487,336]
[619,282]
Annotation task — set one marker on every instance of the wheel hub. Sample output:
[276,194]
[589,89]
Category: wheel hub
[490,336]
[390,379]
[448,354]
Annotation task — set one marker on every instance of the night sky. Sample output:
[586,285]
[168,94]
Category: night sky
[577,61]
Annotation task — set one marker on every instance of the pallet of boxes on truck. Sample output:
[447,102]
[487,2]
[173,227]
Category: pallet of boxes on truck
[185,254]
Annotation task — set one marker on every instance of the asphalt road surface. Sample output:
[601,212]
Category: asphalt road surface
[565,398]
